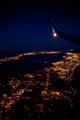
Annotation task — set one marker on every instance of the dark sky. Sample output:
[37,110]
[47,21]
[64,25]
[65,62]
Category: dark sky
[24,25]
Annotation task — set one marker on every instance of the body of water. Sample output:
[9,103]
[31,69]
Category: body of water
[27,64]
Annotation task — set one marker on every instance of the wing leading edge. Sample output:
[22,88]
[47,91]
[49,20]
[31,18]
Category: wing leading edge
[56,31]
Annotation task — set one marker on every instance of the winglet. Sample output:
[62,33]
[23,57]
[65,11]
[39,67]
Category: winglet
[55,29]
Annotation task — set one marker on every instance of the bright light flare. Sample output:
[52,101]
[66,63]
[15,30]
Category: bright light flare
[55,34]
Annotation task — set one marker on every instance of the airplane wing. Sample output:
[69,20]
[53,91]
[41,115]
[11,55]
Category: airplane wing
[57,32]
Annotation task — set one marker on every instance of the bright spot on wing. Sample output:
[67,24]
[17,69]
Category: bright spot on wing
[55,34]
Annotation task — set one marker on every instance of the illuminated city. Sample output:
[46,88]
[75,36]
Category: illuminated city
[28,53]
[38,94]
[39,60]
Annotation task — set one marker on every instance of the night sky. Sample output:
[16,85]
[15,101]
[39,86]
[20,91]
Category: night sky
[24,26]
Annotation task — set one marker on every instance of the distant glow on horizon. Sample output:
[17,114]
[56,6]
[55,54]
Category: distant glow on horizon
[28,53]
[55,34]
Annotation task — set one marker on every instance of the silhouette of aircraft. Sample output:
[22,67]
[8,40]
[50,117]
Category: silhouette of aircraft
[57,32]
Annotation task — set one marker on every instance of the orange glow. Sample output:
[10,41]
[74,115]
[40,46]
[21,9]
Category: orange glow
[43,80]
[55,34]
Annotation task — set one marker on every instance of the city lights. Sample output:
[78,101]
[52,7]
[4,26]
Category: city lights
[40,86]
